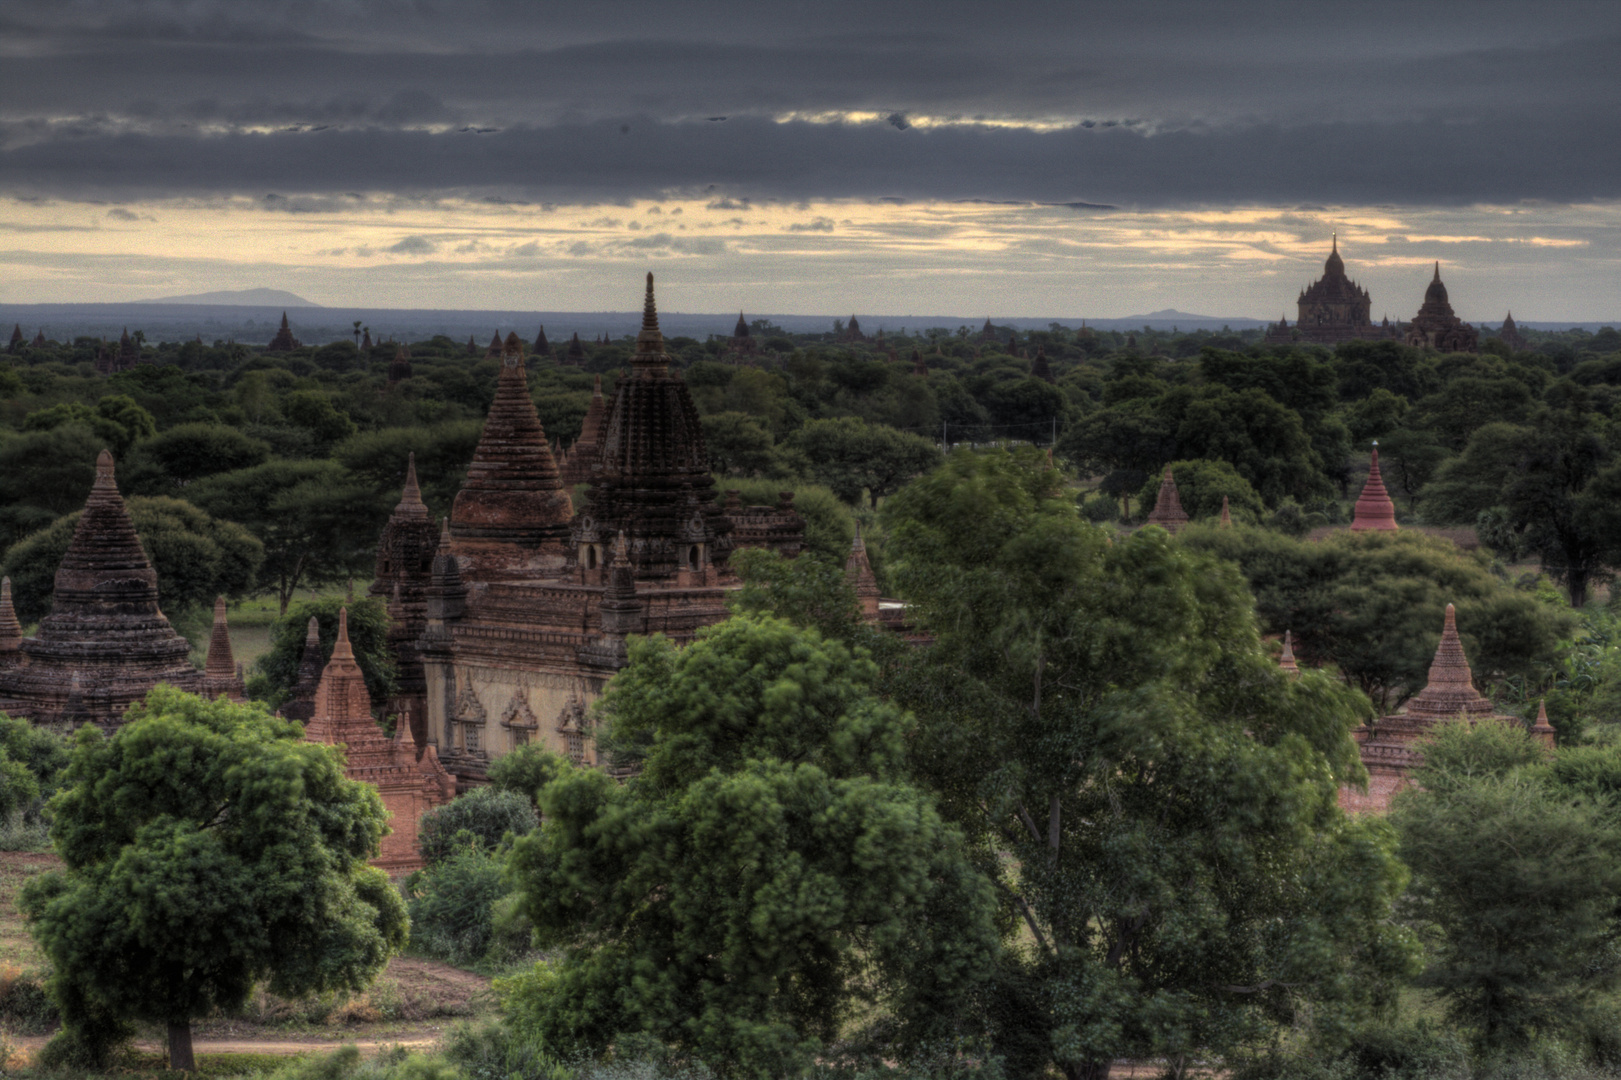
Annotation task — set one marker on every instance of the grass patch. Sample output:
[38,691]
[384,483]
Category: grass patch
[17,948]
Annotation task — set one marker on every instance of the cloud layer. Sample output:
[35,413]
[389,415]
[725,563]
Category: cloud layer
[1144,105]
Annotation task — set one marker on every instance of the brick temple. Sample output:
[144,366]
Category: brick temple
[106,642]
[511,615]
[1331,309]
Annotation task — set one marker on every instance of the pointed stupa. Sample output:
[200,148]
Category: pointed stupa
[1226,521]
[576,351]
[1286,660]
[472,345]
[495,347]
[513,491]
[1168,513]
[918,366]
[652,478]
[16,338]
[405,553]
[220,675]
[340,696]
[1543,731]
[858,571]
[301,706]
[1374,510]
[583,456]
[741,330]
[105,624]
[11,631]
[1450,691]
[1039,368]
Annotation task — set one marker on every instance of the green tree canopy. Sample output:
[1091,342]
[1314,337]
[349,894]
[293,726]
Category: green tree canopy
[206,847]
[43,475]
[276,672]
[1156,802]
[197,557]
[443,452]
[116,419]
[851,456]
[1516,865]
[769,877]
[318,523]
[172,459]
[1372,604]
[1201,485]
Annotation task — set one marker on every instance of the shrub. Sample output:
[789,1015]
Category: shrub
[487,813]
[453,904]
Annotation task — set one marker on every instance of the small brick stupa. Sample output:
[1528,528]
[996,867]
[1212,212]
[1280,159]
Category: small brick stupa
[1226,521]
[408,784]
[1374,510]
[399,369]
[105,628]
[1039,368]
[11,631]
[1388,748]
[513,508]
[1168,513]
[220,672]
[583,455]
[1286,660]
[542,346]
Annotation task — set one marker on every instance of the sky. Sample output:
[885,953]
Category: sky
[1006,159]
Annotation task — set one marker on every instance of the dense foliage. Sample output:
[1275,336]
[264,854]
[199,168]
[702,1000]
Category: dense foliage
[206,846]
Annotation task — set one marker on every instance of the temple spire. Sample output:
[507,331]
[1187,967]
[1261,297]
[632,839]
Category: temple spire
[1543,731]
[220,661]
[1450,692]
[1437,270]
[411,494]
[1226,514]
[858,571]
[1168,513]
[1374,509]
[1286,661]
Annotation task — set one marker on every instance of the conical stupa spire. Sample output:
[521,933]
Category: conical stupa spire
[1437,270]
[341,695]
[411,504]
[220,662]
[1542,730]
[1286,660]
[1168,513]
[1374,509]
[1451,689]
[1226,516]
[650,355]
[342,648]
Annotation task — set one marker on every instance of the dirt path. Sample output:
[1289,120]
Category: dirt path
[26,1046]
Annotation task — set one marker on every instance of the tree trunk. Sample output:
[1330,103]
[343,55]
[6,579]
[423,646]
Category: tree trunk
[180,1058]
[1091,1070]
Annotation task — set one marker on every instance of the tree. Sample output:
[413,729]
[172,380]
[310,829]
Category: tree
[739,445]
[206,847]
[770,874]
[1201,485]
[43,475]
[276,672]
[478,819]
[116,419]
[1534,479]
[1372,605]
[1156,803]
[171,460]
[443,451]
[312,410]
[197,557]
[1516,877]
[319,525]
[851,456]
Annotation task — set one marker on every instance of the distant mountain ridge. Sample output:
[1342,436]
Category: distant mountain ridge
[239,298]
[1166,314]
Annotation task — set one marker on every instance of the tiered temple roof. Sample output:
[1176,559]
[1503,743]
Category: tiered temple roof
[1436,327]
[1168,513]
[1510,335]
[284,341]
[1374,510]
[301,706]
[582,458]
[1286,660]
[11,631]
[16,343]
[1332,308]
[1390,748]
[105,628]
[409,783]
[513,493]
[652,479]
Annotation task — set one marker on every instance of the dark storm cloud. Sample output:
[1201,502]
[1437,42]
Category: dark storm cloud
[1155,103]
